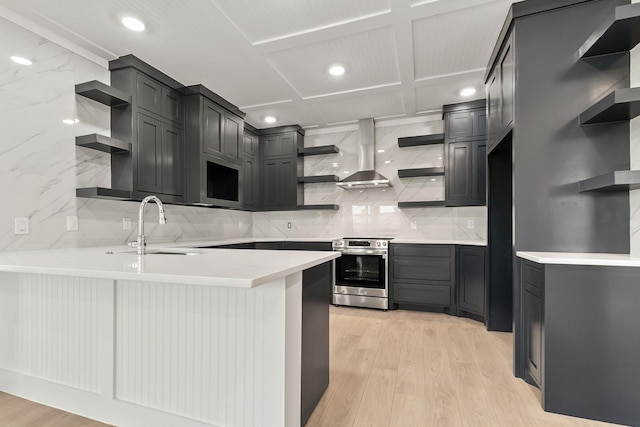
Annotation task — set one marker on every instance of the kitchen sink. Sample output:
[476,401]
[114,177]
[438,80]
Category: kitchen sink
[158,252]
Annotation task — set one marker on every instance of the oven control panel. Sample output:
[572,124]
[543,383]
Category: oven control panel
[360,243]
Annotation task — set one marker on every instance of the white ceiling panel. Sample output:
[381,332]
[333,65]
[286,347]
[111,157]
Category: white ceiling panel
[453,42]
[370,60]
[265,20]
[433,94]
[382,104]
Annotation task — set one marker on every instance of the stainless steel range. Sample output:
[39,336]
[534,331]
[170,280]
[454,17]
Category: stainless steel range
[361,273]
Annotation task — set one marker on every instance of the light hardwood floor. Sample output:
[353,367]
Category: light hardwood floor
[414,369]
[394,369]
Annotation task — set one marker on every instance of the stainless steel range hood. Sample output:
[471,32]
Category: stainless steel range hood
[366,177]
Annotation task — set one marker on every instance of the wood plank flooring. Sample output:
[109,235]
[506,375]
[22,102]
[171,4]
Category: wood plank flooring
[413,369]
[394,369]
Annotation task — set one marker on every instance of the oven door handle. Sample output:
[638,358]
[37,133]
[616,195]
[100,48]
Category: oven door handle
[363,252]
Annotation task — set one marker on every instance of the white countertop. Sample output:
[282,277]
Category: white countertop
[236,240]
[569,258]
[213,267]
[441,242]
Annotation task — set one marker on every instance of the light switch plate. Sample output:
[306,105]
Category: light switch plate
[414,225]
[126,223]
[72,223]
[471,224]
[21,225]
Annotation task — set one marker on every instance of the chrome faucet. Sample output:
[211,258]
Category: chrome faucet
[141,243]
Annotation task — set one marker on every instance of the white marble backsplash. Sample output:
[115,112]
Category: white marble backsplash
[40,165]
[375,212]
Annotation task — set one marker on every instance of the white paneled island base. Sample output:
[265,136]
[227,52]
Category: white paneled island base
[145,353]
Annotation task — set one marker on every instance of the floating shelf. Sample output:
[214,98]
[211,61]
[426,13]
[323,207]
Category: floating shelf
[620,32]
[413,141]
[619,105]
[319,207]
[103,93]
[316,151]
[318,178]
[103,193]
[427,204]
[408,173]
[612,181]
[103,143]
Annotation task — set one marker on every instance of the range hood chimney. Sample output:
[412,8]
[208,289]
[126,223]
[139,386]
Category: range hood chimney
[366,177]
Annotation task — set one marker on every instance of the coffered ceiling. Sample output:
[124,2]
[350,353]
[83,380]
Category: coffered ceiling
[271,57]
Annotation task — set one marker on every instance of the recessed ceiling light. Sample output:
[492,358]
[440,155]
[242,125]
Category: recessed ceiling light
[133,24]
[433,179]
[380,151]
[387,161]
[335,165]
[468,91]
[270,119]
[346,171]
[20,60]
[336,70]
[70,121]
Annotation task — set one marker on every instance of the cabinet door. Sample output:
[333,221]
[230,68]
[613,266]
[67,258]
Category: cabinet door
[250,144]
[212,121]
[172,105]
[279,183]
[471,279]
[459,125]
[493,107]
[172,160]
[506,87]
[250,174]
[279,145]
[479,184]
[232,137]
[480,123]
[533,334]
[149,154]
[149,94]
[459,172]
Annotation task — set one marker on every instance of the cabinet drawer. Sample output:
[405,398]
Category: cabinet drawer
[431,251]
[423,269]
[532,275]
[422,294]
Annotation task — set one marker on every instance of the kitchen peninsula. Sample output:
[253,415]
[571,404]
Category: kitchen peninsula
[177,337]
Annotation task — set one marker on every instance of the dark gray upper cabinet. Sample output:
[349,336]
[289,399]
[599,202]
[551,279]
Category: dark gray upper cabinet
[500,95]
[153,122]
[251,182]
[214,155]
[251,143]
[465,154]
[281,167]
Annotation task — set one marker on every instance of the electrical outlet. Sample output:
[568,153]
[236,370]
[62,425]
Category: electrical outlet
[72,223]
[288,225]
[126,223]
[471,224]
[21,225]
[414,225]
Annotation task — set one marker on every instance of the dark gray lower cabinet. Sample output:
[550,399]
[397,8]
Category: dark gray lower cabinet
[533,320]
[316,297]
[423,276]
[471,266]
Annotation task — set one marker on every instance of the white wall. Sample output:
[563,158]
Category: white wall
[40,166]
[634,196]
[375,212]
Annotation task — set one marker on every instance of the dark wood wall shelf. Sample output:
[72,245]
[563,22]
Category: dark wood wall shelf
[318,178]
[318,207]
[103,93]
[619,105]
[103,193]
[413,141]
[103,143]
[409,173]
[424,204]
[316,151]
[620,32]
[612,181]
